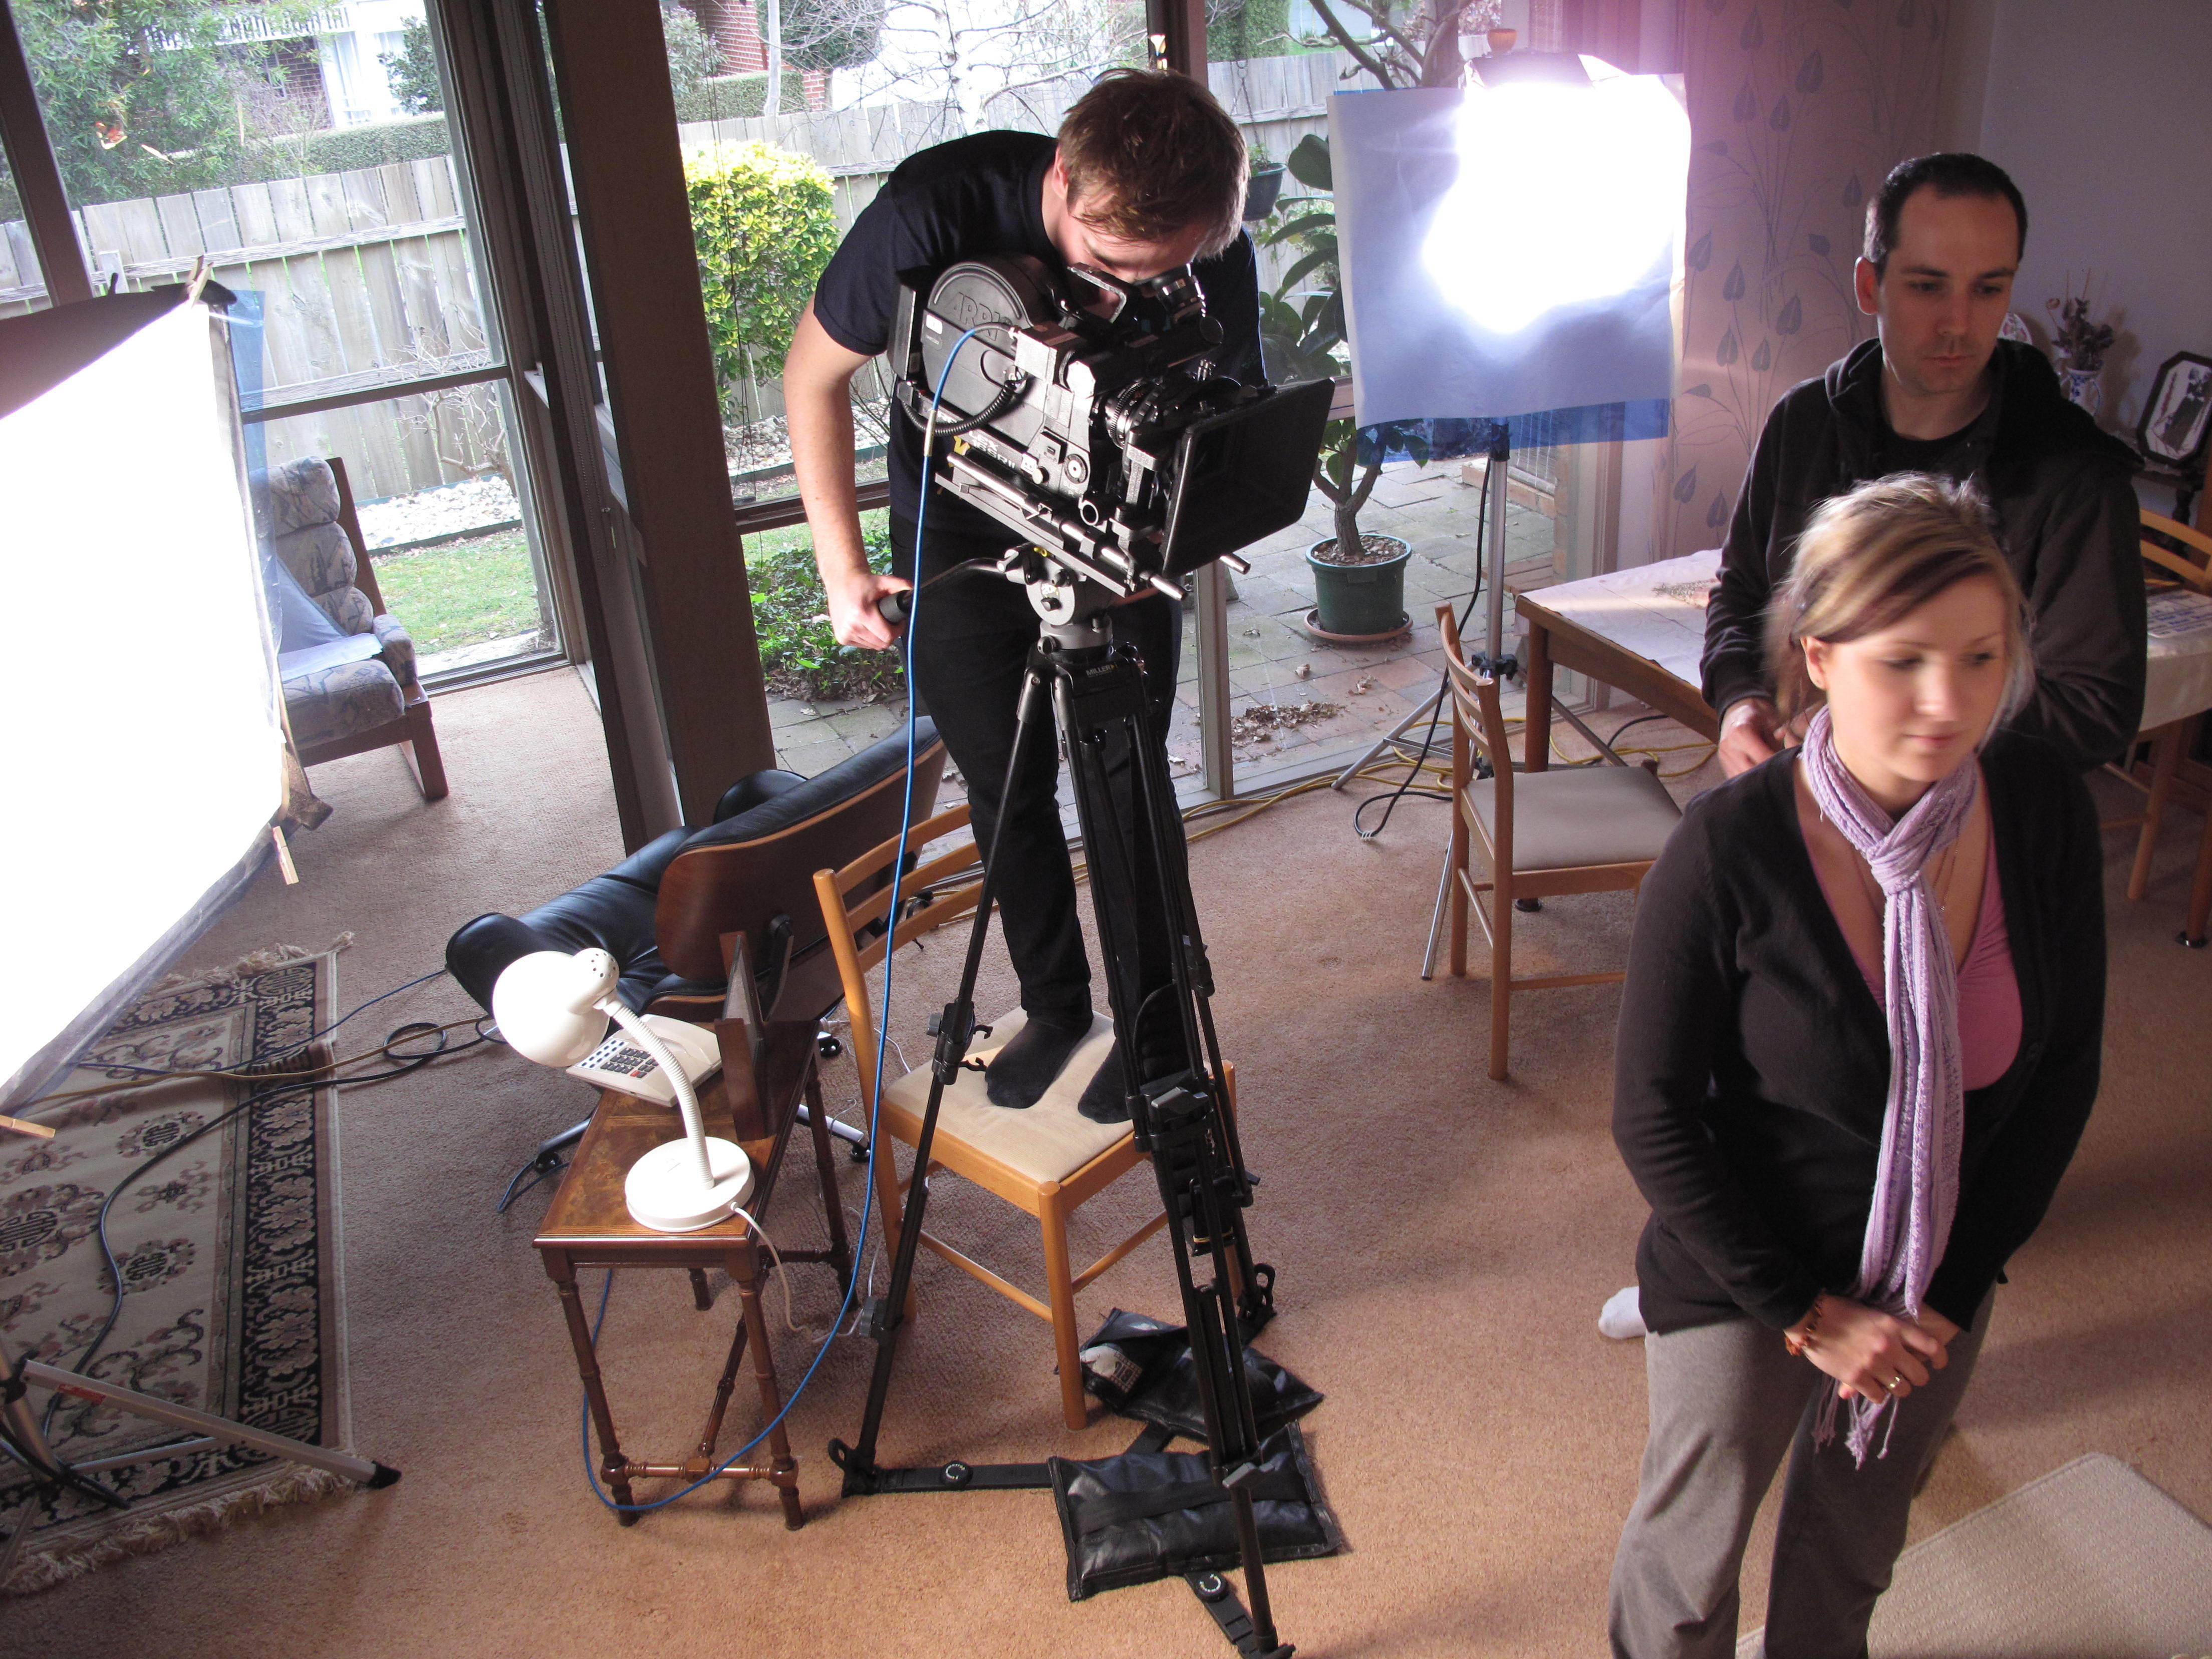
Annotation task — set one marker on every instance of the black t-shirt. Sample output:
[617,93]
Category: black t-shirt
[1903,454]
[978,195]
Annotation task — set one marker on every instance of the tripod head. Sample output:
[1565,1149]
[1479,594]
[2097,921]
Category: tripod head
[1067,595]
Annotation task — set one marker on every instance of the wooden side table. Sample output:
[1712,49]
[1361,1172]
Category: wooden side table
[589,1225]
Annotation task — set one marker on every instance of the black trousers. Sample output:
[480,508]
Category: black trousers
[967,653]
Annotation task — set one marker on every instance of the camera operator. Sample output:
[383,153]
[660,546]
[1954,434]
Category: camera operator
[1147,175]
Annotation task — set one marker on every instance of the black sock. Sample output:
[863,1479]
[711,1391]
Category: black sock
[1105,1098]
[1160,1053]
[1022,1070]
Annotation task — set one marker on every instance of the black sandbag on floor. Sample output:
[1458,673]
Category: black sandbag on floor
[1145,1516]
[1140,1368]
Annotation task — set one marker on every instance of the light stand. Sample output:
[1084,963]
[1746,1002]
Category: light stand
[22,1439]
[553,1008]
[1096,694]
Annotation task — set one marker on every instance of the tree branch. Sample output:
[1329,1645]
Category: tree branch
[1359,53]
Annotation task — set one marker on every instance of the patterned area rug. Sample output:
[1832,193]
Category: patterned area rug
[228,1261]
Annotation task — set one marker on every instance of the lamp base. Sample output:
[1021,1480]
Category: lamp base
[664,1193]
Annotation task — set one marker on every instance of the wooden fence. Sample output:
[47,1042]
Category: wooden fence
[365,280]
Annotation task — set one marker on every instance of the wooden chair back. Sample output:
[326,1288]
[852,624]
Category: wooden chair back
[868,917]
[1477,727]
[2177,551]
[349,519]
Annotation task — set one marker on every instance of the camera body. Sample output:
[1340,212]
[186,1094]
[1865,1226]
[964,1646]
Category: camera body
[1081,417]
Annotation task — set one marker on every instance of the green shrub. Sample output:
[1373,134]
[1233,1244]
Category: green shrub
[1248,28]
[141,97]
[692,55]
[764,224]
[412,71]
[799,656]
[738,97]
[379,144]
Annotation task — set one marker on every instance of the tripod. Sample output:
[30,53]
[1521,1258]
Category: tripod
[21,1438]
[1096,691]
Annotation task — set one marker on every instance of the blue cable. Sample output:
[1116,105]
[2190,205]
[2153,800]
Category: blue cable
[882,1034]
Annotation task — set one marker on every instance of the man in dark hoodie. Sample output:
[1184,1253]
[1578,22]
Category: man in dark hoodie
[1938,391]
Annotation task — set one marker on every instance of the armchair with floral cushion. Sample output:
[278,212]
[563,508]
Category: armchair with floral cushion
[348,667]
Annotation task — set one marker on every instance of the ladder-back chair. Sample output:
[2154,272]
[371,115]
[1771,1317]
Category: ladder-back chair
[2173,555]
[1046,1160]
[1577,829]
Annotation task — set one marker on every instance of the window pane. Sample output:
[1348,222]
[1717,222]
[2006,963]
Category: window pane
[861,86]
[273,140]
[22,287]
[302,152]
[450,554]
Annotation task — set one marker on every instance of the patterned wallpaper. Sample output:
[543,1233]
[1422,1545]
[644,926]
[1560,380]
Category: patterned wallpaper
[1798,108]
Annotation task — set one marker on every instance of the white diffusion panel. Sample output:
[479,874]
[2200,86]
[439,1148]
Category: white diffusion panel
[145,742]
[1512,249]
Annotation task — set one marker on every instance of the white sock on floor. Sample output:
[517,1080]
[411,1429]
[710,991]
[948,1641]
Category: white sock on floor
[1622,1317]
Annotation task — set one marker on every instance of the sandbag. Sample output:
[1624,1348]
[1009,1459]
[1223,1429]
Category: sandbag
[1144,1515]
[1142,1369]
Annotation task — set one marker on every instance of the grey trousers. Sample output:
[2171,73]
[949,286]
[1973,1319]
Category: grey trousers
[1727,1401]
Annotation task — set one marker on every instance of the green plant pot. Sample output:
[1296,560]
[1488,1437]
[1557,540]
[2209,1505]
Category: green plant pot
[1359,600]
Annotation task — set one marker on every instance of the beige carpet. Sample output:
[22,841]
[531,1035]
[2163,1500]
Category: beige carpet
[2090,1562]
[1443,1244]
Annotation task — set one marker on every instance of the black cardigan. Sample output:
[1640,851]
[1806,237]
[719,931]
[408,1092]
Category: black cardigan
[1753,1062]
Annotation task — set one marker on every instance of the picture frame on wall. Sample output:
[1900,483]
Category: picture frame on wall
[2178,414]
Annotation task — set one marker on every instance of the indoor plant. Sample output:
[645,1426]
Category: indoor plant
[1361,594]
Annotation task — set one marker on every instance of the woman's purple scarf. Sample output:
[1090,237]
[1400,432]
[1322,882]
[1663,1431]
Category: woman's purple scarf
[1916,1186]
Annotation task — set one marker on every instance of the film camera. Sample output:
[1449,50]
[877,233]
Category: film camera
[1080,419]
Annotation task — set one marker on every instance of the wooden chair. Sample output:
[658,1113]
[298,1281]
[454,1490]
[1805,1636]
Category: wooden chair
[1580,829]
[1047,1160]
[2172,553]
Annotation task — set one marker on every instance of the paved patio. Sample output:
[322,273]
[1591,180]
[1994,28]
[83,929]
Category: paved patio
[1373,689]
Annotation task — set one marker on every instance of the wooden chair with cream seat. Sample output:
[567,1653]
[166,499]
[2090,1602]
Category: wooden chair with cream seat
[1575,830]
[1046,1160]
[2174,555]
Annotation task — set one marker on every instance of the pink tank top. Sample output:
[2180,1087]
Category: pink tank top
[1988,991]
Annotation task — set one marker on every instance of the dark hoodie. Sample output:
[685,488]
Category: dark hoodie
[2066,515]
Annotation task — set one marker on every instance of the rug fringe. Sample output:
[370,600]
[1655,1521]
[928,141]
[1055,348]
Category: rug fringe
[44,1566]
[252,962]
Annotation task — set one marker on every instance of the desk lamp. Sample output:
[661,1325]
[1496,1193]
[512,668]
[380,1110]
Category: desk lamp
[554,1009]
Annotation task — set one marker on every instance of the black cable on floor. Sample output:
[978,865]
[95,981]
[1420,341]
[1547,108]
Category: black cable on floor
[291,1085]
[1443,689]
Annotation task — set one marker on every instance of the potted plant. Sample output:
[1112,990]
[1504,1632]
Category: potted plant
[1359,579]
[1263,184]
[2082,346]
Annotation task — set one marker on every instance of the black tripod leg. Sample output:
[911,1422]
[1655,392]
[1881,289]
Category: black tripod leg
[1184,1120]
[1256,1280]
[955,1027]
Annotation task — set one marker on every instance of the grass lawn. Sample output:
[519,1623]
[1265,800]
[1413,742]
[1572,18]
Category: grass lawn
[462,594]
[483,588]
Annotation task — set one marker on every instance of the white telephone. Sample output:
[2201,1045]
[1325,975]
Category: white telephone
[619,1063]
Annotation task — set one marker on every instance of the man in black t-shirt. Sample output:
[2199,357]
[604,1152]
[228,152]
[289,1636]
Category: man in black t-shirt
[1937,391]
[1148,175]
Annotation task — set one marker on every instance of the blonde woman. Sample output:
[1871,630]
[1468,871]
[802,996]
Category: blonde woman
[1858,1043]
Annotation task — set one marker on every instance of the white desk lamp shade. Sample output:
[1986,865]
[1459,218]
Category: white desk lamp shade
[554,1009]
[547,1005]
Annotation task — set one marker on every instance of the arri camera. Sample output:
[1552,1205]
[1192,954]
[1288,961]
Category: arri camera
[1079,419]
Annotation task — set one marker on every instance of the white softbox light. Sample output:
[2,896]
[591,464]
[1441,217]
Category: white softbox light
[1511,249]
